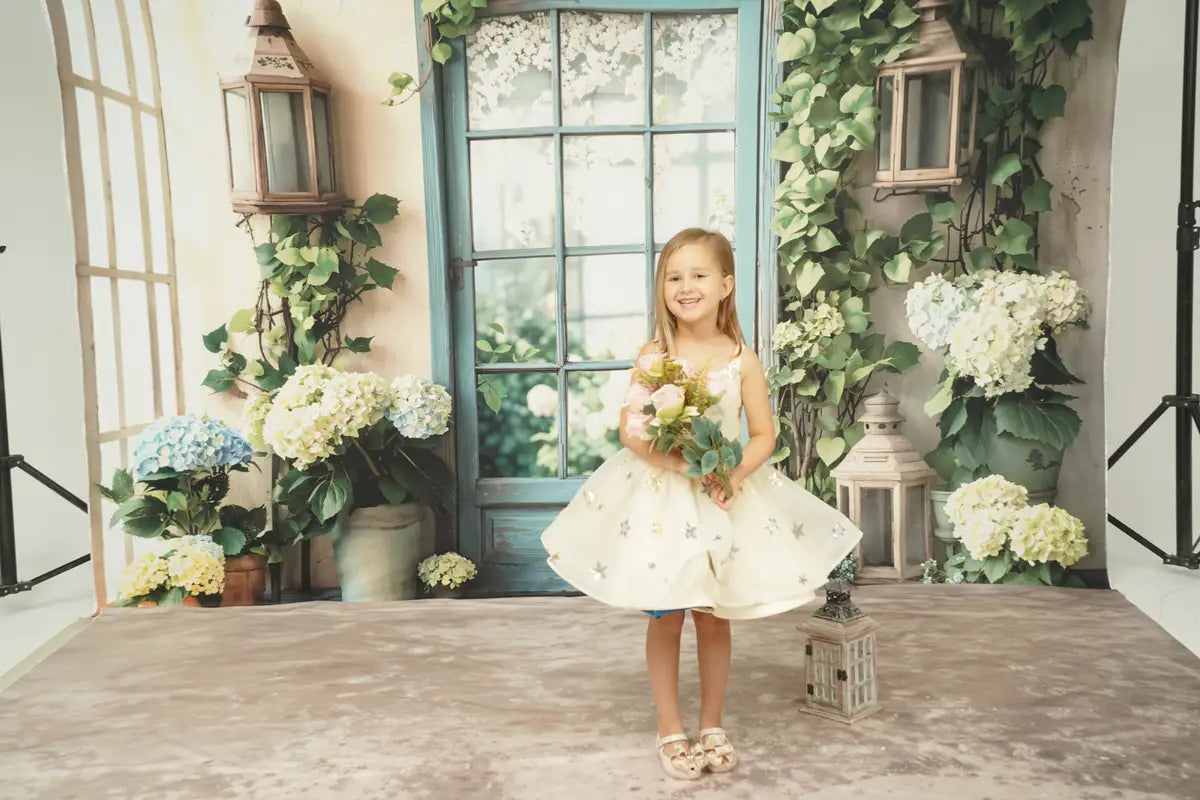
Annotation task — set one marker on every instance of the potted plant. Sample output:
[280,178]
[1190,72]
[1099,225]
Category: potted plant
[1004,539]
[997,405]
[187,570]
[445,574]
[361,467]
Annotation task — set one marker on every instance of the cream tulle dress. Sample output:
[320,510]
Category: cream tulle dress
[640,537]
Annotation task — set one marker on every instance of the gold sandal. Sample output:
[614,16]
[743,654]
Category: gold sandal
[715,750]
[682,763]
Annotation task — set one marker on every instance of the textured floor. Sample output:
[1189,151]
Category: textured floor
[989,692]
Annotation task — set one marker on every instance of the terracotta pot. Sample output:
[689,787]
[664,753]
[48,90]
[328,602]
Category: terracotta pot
[245,580]
[147,604]
[191,600]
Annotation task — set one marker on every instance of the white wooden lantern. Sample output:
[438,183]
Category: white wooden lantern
[927,104]
[883,486]
[839,659]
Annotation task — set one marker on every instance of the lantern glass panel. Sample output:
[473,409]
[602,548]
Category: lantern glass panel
[285,137]
[324,141]
[965,108]
[875,521]
[241,143]
[927,120]
[843,499]
[915,513]
[887,92]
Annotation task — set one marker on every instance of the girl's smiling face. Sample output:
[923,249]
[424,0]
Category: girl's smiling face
[695,285]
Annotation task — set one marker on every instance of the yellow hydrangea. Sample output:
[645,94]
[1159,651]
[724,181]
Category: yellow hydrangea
[1043,533]
[448,569]
[144,575]
[197,564]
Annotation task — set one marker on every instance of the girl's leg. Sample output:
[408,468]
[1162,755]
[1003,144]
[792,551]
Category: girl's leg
[662,661]
[713,649]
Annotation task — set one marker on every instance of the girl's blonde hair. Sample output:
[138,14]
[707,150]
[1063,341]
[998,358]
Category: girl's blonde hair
[722,252]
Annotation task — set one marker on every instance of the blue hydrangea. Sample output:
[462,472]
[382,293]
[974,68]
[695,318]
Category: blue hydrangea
[188,443]
[420,408]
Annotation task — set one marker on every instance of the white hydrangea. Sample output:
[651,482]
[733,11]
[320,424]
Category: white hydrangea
[1065,303]
[991,498]
[1043,533]
[319,408]
[982,537]
[448,569]
[933,307]
[419,408]
[995,348]
[804,336]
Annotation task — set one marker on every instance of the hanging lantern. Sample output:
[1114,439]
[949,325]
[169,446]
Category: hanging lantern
[927,102]
[839,658]
[278,125]
[883,486]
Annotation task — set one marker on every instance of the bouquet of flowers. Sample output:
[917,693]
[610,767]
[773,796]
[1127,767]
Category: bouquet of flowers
[674,410]
[450,570]
[187,566]
[1005,540]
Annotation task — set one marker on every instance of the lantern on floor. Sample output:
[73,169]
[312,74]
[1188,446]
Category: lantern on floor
[839,658]
[278,125]
[883,486]
[927,103]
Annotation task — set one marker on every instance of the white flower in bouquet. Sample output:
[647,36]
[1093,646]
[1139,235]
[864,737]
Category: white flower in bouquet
[420,408]
[933,308]
[197,564]
[319,408]
[992,498]
[1043,533]
[448,569]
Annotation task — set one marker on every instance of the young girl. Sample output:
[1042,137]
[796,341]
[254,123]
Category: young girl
[640,534]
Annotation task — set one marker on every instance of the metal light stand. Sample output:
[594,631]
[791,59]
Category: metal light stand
[1185,402]
[9,583]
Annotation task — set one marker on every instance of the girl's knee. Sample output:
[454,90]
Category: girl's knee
[707,622]
[668,623]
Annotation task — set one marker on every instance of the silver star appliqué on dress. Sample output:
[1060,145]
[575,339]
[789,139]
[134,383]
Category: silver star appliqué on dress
[656,527]
[689,530]
[651,565]
[797,529]
[803,581]
[774,478]
[772,526]
[733,551]
[553,557]
[655,481]
[839,530]
[600,571]
[625,528]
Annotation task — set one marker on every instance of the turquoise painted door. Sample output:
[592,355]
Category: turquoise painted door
[579,137]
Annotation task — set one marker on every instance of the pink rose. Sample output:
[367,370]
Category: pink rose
[635,424]
[638,397]
[668,402]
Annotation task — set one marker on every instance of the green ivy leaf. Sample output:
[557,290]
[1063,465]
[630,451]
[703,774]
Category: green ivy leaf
[441,52]
[1049,102]
[381,273]
[899,268]
[361,344]
[242,321]
[902,15]
[214,339]
[856,98]
[979,258]
[219,380]
[823,240]
[1012,238]
[1036,196]
[830,448]
[941,398]
[835,384]
[901,356]
[291,256]
[381,208]
[810,275]
[918,229]
[796,45]
[941,209]
[1008,165]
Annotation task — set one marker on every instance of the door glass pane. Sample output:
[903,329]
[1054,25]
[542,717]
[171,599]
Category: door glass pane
[155,195]
[509,66]
[94,205]
[927,120]
[593,416]
[514,306]
[606,306]
[139,44]
[875,513]
[513,193]
[110,45]
[695,61]
[887,86]
[137,366]
[103,327]
[77,38]
[166,345]
[693,183]
[286,142]
[603,68]
[604,195]
[321,129]
[522,440]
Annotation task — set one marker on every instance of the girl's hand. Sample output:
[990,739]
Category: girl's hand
[717,492]
[675,462]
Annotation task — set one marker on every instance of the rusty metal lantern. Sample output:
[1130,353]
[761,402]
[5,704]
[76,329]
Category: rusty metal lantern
[927,104]
[279,125]
[883,486]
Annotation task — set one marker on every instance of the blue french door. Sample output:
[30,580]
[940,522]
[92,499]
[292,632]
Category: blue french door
[579,137]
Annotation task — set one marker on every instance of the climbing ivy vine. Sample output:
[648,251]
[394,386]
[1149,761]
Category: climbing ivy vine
[830,259]
[444,20]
